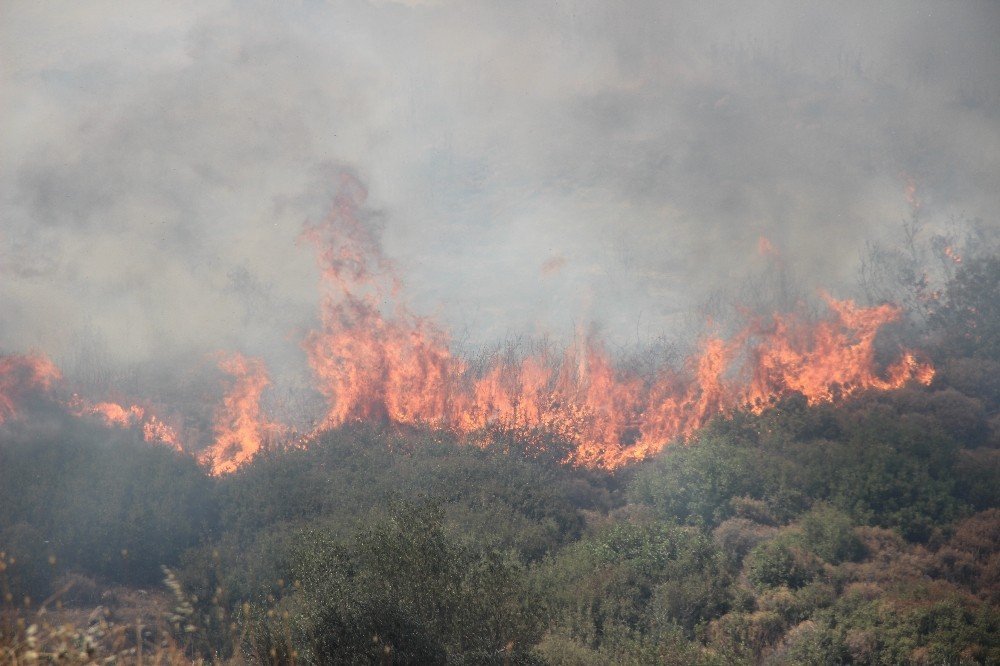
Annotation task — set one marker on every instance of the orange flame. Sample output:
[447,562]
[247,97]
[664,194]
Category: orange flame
[370,366]
[240,430]
[35,374]
[910,190]
[399,369]
[155,430]
[22,376]
[115,415]
[766,248]
[553,265]
[118,416]
[374,360]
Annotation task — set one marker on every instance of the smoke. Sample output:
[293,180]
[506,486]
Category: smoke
[533,166]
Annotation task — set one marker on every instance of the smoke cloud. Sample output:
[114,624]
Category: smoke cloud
[532,166]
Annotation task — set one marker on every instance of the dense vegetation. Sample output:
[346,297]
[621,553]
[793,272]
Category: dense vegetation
[864,532]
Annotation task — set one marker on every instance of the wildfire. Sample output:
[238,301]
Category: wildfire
[398,368]
[155,430]
[374,360]
[370,366]
[240,429]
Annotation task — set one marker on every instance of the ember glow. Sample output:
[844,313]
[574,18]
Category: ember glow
[765,248]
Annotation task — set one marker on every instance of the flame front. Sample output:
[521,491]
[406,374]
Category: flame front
[398,368]
[374,360]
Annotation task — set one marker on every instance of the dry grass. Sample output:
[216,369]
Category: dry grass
[129,626]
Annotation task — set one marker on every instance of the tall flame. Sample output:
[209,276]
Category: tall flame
[240,429]
[370,366]
[398,368]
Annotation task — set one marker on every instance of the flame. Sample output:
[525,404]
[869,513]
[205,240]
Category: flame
[553,265]
[22,376]
[766,248]
[398,367]
[952,254]
[155,430]
[27,375]
[115,415]
[370,366]
[910,191]
[240,430]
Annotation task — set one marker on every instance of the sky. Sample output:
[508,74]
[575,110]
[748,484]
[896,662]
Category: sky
[532,167]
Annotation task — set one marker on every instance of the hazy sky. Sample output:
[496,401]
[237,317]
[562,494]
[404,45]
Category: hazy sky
[533,165]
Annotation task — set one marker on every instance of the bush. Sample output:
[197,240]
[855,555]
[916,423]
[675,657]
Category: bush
[968,321]
[829,533]
[978,471]
[738,536]
[635,577]
[108,503]
[917,630]
[26,569]
[507,500]
[776,563]
[745,634]
[426,596]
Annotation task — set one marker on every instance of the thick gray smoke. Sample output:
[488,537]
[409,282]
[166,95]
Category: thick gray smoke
[535,166]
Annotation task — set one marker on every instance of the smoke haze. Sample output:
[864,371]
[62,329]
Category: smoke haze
[532,166]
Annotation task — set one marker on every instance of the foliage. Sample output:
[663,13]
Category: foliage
[636,575]
[969,319]
[829,533]
[778,563]
[403,587]
[106,503]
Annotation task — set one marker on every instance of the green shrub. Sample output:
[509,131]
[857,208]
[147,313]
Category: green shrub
[776,563]
[830,534]
[403,587]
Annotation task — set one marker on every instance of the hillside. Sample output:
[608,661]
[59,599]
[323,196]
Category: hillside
[865,530]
